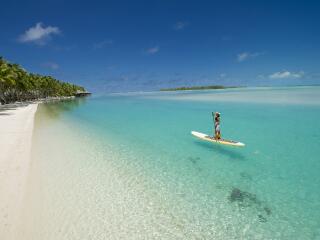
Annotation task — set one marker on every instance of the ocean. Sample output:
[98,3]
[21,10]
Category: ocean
[125,166]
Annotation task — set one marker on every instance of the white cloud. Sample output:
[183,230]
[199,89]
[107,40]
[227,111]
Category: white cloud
[180,25]
[102,44]
[153,50]
[51,65]
[242,56]
[222,75]
[286,74]
[246,55]
[39,34]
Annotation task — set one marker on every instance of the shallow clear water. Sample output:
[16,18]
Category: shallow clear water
[125,166]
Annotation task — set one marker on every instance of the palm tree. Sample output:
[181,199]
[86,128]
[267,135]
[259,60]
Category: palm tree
[16,84]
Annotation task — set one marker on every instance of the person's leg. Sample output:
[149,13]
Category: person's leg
[218,135]
[217,130]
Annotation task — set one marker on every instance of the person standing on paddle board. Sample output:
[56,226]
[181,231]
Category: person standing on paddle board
[217,134]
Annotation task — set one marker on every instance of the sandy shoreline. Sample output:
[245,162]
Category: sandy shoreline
[16,127]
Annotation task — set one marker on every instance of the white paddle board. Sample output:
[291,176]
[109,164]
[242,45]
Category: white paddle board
[208,138]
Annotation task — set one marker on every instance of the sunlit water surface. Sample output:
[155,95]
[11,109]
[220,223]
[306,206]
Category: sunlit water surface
[125,166]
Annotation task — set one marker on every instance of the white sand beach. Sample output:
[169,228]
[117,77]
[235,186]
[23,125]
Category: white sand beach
[16,127]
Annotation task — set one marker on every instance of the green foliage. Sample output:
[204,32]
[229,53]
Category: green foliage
[16,84]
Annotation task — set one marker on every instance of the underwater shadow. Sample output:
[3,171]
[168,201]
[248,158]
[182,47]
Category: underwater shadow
[221,149]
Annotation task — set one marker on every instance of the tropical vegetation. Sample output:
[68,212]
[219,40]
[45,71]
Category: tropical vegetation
[16,84]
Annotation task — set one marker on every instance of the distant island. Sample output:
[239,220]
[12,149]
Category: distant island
[16,84]
[197,88]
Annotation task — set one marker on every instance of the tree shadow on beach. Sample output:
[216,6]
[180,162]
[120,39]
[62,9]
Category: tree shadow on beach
[12,106]
[232,153]
[5,114]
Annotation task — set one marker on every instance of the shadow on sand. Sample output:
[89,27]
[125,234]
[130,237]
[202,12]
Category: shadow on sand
[11,106]
[5,114]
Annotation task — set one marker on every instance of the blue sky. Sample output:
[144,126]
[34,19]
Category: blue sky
[146,45]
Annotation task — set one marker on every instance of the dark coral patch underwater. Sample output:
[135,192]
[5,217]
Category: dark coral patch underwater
[194,161]
[246,199]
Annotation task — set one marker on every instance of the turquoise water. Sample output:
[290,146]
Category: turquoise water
[125,166]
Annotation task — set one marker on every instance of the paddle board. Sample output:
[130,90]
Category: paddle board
[208,138]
